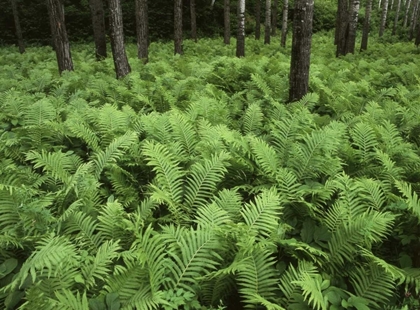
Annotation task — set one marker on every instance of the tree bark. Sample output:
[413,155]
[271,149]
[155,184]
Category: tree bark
[354,15]
[178,26]
[226,11]
[193,21]
[61,41]
[413,20]
[122,67]
[366,25]
[52,29]
[17,27]
[284,23]
[397,13]
[274,17]
[98,24]
[257,19]
[142,23]
[267,28]
[383,17]
[301,49]
[240,37]
[407,9]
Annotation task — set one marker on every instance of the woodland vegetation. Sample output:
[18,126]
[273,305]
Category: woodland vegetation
[197,179]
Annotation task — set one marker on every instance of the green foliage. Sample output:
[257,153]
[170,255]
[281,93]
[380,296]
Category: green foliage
[191,185]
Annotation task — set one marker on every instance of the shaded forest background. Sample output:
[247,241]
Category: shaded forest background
[35,25]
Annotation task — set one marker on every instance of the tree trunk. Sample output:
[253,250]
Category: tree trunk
[193,21]
[354,15]
[122,67]
[178,26]
[274,17]
[17,27]
[284,23]
[267,28]
[226,12]
[397,13]
[240,37]
[413,20]
[142,23]
[407,9]
[301,49]
[61,41]
[342,30]
[52,29]
[257,19]
[98,24]
[366,25]
[417,42]
[383,17]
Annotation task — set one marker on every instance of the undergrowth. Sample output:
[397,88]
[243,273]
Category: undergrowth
[190,184]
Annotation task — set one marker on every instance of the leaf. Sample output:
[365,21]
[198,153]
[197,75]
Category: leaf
[112,301]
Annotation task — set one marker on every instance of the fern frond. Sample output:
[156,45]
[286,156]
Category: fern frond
[265,156]
[184,133]
[262,215]
[374,284]
[203,179]
[312,292]
[412,198]
[253,119]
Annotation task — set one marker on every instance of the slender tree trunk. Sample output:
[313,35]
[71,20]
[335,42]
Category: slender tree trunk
[52,29]
[413,20]
[17,27]
[392,5]
[417,42]
[227,21]
[301,49]
[284,23]
[407,9]
[142,25]
[274,17]
[98,24]
[267,30]
[257,19]
[61,41]
[354,15]
[178,26]
[240,37]
[342,30]
[366,25]
[397,13]
[193,21]
[383,17]
[122,67]
[379,4]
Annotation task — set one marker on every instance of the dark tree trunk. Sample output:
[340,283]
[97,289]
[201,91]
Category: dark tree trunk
[354,15]
[284,23]
[383,17]
[267,28]
[347,26]
[257,19]
[407,9]
[178,26]
[301,49]
[227,21]
[52,29]
[366,25]
[98,23]
[413,20]
[274,17]
[122,67]
[61,41]
[342,29]
[240,37]
[417,42]
[397,13]
[17,27]
[193,21]
[142,23]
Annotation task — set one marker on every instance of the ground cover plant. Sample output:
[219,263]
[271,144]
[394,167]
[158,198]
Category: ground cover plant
[190,184]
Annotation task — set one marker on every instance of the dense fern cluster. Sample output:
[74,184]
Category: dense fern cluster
[191,185]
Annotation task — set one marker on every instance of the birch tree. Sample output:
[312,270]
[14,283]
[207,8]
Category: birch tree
[226,13]
[240,37]
[366,25]
[383,17]
[397,13]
